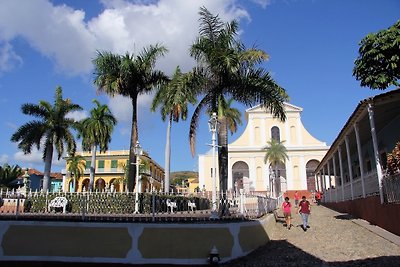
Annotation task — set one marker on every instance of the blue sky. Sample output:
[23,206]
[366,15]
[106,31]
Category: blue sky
[312,46]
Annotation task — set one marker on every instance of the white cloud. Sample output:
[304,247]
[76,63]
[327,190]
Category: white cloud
[78,115]
[262,3]
[62,34]
[3,159]
[8,58]
[35,159]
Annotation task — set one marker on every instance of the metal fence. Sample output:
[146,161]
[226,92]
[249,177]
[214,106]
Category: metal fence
[391,188]
[116,206]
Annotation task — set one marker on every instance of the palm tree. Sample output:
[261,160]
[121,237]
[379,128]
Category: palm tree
[52,130]
[129,76]
[173,97]
[226,68]
[232,115]
[76,167]
[276,153]
[96,132]
[9,173]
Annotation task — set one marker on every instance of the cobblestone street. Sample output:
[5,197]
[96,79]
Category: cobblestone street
[334,239]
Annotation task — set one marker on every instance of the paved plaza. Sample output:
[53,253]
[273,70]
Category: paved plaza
[334,239]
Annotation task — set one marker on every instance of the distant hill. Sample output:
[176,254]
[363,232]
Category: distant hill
[177,177]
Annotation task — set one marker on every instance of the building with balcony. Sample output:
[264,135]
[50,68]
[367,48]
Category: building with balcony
[246,167]
[110,173]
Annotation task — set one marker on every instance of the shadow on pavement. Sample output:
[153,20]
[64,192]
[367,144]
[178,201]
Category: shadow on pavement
[344,217]
[282,253]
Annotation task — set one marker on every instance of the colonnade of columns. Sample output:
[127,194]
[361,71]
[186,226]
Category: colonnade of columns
[351,186]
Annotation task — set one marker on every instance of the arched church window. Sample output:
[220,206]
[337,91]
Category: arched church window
[275,134]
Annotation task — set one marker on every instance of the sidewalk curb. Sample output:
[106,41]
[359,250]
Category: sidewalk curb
[378,230]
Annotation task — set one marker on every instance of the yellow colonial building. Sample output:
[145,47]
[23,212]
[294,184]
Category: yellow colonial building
[246,167]
[110,173]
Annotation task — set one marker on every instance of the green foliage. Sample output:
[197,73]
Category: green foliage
[393,160]
[9,173]
[51,129]
[97,129]
[378,63]
[178,177]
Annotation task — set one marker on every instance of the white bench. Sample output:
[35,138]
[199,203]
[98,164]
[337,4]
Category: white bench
[171,205]
[58,202]
[191,205]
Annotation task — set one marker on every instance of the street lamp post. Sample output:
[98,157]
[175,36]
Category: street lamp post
[138,151]
[213,127]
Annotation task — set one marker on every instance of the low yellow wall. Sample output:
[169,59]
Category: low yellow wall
[147,243]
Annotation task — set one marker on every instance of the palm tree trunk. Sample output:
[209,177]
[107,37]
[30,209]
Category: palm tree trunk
[47,167]
[276,180]
[168,155]
[92,168]
[223,164]
[132,156]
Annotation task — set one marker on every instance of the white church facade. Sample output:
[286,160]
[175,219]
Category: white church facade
[247,169]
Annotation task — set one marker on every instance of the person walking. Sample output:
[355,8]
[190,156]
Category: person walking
[287,212]
[318,197]
[304,210]
[296,199]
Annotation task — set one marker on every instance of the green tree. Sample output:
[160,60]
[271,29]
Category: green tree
[129,76]
[9,173]
[76,167]
[378,62]
[173,97]
[52,130]
[96,131]
[232,115]
[225,68]
[276,154]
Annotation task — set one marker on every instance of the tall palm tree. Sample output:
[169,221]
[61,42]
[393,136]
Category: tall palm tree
[226,68]
[276,154]
[52,130]
[96,131]
[9,173]
[129,76]
[173,97]
[76,167]
[232,115]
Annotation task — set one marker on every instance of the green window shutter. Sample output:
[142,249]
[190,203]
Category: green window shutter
[101,164]
[87,164]
[114,164]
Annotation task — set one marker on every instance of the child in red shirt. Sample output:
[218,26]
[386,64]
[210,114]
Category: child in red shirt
[287,212]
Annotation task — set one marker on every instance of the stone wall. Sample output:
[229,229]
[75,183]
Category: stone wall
[131,243]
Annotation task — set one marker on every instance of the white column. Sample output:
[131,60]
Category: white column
[346,139]
[360,159]
[287,133]
[335,177]
[251,130]
[341,171]
[230,181]
[266,176]
[253,172]
[323,179]
[263,131]
[303,173]
[289,173]
[330,181]
[376,151]
[299,135]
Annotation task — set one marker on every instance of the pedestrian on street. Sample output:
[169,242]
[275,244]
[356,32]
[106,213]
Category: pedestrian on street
[296,199]
[304,210]
[318,197]
[287,212]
